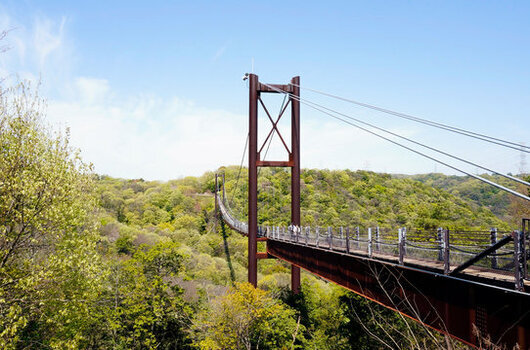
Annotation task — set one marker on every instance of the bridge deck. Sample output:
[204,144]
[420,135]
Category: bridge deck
[438,267]
[496,277]
[459,305]
[386,250]
[410,274]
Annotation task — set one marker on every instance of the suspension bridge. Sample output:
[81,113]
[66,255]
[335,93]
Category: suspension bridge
[471,285]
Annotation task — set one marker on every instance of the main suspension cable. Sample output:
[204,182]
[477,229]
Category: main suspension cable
[513,178]
[490,139]
[515,193]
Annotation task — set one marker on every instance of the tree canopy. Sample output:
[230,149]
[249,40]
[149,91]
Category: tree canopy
[49,267]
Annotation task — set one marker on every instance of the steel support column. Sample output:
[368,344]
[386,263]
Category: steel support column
[295,172]
[253,181]
[254,161]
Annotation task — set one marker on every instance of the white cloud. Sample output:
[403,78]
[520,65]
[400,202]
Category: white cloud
[154,138]
[92,90]
[140,136]
[326,143]
[38,50]
[162,138]
[48,37]
[147,136]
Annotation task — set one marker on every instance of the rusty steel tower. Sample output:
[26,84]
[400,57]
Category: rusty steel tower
[254,161]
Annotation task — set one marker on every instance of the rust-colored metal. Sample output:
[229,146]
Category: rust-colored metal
[481,255]
[274,126]
[274,163]
[216,208]
[295,171]
[224,193]
[262,239]
[452,305]
[253,181]
[255,90]
[264,255]
[275,87]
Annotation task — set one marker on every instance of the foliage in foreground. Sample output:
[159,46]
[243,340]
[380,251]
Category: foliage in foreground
[145,308]
[50,272]
[248,318]
[56,286]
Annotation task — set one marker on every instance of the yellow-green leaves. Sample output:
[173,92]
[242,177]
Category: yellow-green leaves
[47,230]
[247,317]
[147,311]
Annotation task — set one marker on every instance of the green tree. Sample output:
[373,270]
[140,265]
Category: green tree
[148,311]
[248,318]
[50,273]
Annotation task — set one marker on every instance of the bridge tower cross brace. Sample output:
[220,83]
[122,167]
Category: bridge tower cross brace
[255,90]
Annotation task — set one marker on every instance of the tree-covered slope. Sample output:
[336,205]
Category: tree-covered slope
[137,213]
[359,198]
[502,204]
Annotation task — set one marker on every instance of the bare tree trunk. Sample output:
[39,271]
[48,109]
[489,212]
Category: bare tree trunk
[295,332]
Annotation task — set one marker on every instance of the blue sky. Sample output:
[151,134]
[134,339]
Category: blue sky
[154,90]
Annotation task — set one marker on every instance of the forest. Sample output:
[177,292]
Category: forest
[89,261]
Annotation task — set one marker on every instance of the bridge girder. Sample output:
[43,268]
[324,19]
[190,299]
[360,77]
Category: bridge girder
[464,309]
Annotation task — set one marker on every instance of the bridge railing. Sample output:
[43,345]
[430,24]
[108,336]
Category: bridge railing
[229,219]
[438,248]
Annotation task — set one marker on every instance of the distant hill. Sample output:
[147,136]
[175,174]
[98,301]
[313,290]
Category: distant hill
[475,191]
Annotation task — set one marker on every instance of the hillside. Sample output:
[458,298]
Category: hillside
[480,194]
[134,264]
[360,198]
[95,262]
[137,212]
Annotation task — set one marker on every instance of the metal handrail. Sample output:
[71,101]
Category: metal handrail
[351,242]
